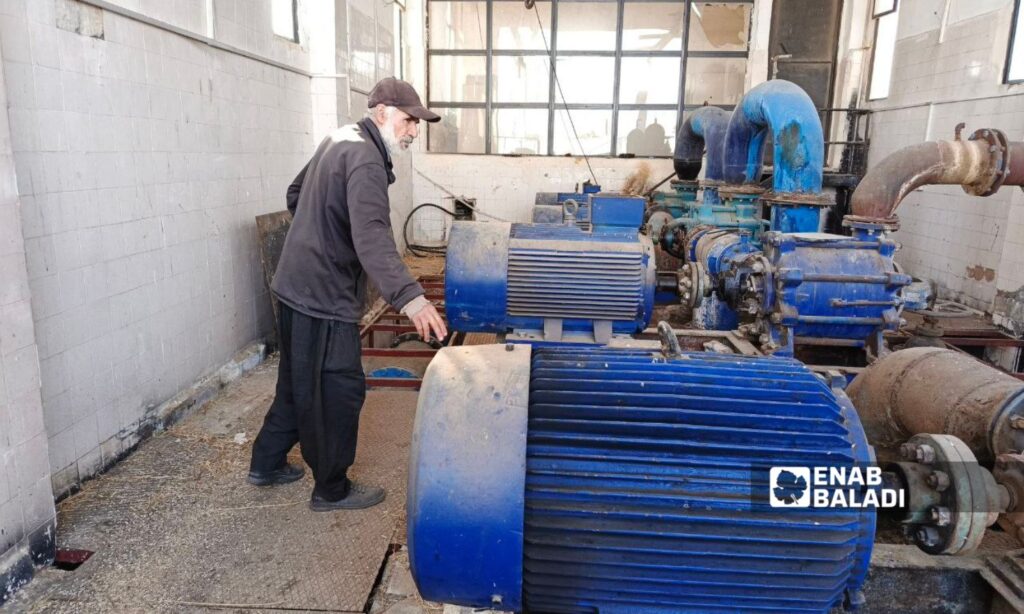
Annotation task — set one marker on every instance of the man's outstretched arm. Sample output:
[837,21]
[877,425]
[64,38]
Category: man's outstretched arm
[375,247]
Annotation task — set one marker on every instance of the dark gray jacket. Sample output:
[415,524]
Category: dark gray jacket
[341,229]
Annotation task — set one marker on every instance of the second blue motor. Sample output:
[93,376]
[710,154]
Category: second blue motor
[554,282]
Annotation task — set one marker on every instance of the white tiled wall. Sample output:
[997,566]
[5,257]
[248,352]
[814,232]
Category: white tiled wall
[26,504]
[507,186]
[142,159]
[943,74]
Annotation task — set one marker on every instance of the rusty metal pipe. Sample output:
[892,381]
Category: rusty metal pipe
[980,164]
[1015,166]
[940,391]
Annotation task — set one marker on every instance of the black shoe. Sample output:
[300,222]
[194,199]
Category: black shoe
[359,497]
[287,473]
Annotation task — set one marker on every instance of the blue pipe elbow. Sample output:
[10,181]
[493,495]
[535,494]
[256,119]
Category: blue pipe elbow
[799,147]
[704,128]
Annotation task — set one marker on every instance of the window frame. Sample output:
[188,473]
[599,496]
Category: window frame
[554,103]
[1018,6]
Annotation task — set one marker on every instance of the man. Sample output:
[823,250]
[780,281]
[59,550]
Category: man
[340,233]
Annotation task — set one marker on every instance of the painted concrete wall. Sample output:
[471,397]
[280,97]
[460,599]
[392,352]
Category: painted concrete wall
[26,503]
[506,187]
[948,69]
[142,158]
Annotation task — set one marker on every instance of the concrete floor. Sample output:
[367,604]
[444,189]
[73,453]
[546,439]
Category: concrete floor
[175,527]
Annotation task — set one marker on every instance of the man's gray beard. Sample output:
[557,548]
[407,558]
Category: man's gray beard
[387,133]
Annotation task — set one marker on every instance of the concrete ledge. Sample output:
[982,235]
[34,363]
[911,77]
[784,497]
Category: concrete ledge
[156,418]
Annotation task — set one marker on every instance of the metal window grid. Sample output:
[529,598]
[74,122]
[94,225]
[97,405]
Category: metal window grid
[554,103]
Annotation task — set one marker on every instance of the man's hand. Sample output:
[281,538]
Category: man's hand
[426,320]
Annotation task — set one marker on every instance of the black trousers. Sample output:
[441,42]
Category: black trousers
[320,392]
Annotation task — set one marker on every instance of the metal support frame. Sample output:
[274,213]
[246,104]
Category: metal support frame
[383,318]
[554,104]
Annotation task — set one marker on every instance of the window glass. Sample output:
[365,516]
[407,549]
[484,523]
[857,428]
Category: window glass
[519,131]
[647,133]
[719,27]
[1015,61]
[516,28]
[362,64]
[458,78]
[717,81]
[586,80]
[652,26]
[593,127]
[459,131]
[587,26]
[649,81]
[457,25]
[282,18]
[882,55]
[385,50]
[520,79]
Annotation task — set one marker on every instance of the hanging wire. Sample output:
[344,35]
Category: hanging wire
[532,4]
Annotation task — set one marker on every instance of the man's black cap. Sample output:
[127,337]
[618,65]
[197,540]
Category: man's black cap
[394,92]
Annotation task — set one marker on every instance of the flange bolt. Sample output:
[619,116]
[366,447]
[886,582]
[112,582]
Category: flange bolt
[941,516]
[927,536]
[939,480]
[925,454]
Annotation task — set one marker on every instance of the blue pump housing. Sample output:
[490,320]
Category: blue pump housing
[832,288]
[814,288]
[620,481]
[546,280]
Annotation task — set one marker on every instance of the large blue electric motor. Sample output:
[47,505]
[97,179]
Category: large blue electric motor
[564,479]
[554,282]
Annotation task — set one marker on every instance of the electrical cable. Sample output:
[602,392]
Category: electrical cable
[423,251]
[465,201]
[558,84]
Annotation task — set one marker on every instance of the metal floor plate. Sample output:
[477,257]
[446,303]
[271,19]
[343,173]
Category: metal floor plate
[175,527]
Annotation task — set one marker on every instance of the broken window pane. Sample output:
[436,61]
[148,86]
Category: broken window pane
[652,26]
[717,81]
[594,129]
[458,25]
[520,79]
[719,27]
[515,27]
[586,80]
[519,131]
[647,133]
[459,131]
[587,26]
[649,81]
[458,78]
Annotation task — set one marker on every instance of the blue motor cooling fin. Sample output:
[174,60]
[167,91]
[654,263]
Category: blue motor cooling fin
[645,486]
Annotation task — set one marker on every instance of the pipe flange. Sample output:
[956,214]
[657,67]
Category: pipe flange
[886,224]
[744,189]
[949,511]
[694,284]
[999,162]
[798,198]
